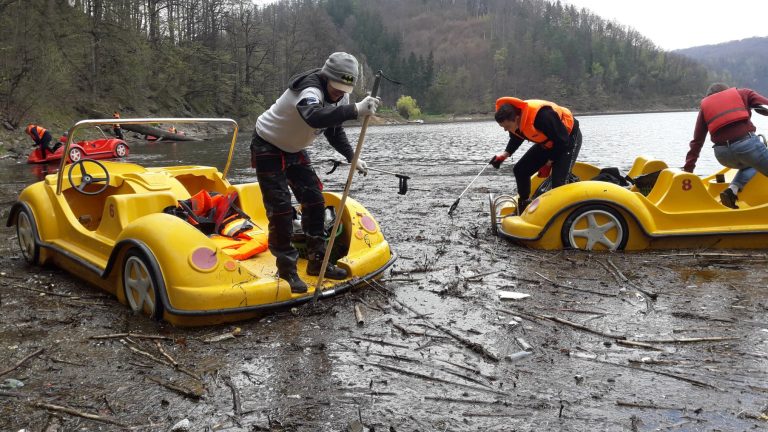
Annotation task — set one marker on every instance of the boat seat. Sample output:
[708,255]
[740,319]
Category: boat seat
[121,210]
[677,191]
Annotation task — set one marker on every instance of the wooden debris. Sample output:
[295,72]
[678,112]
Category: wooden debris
[22,361]
[616,269]
[133,335]
[359,315]
[192,393]
[646,405]
[77,413]
[581,327]
[523,344]
[235,396]
[559,285]
[432,378]
[637,344]
[226,336]
[593,358]
[474,346]
[692,340]
[457,400]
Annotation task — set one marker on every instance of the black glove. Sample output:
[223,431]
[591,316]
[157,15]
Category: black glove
[497,160]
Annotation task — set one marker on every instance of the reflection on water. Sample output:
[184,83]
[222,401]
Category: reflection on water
[443,149]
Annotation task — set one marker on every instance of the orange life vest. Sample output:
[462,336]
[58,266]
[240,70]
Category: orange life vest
[36,132]
[252,240]
[217,216]
[723,108]
[529,108]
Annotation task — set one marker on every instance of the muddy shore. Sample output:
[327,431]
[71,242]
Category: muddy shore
[674,340]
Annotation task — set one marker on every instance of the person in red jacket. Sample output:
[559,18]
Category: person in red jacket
[554,132]
[726,115]
[41,137]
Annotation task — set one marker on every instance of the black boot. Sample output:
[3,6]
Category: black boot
[331,271]
[297,285]
[315,254]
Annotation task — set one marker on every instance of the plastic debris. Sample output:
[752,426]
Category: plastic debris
[11,383]
[517,356]
[181,426]
[512,295]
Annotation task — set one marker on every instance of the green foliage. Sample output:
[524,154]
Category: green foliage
[408,108]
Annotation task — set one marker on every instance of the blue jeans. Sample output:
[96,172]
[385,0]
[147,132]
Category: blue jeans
[749,156]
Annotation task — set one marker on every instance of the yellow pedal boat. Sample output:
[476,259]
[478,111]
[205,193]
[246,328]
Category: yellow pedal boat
[675,210]
[104,221]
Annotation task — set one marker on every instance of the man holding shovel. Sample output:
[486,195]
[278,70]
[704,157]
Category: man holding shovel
[316,101]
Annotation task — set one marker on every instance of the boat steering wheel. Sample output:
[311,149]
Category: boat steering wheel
[88,179]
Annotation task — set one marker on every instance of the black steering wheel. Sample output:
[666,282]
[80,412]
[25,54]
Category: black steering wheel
[88,179]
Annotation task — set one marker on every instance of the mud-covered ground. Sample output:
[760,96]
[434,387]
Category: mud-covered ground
[674,340]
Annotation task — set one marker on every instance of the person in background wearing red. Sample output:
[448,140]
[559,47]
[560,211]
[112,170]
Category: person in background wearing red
[41,137]
[725,114]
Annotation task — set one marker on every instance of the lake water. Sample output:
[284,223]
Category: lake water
[442,149]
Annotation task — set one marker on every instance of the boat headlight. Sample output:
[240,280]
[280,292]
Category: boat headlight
[533,205]
[203,259]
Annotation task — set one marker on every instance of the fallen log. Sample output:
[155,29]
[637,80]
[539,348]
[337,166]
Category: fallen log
[157,132]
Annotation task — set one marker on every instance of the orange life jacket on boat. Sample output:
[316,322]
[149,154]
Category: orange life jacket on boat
[216,215]
[253,240]
[529,108]
[723,108]
[215,209]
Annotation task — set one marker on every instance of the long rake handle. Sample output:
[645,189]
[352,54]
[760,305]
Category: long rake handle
[342,203]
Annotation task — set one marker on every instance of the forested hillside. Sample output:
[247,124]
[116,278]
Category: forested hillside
[64,59]
[743,63]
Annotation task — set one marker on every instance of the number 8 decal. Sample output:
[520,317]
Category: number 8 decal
[687,184]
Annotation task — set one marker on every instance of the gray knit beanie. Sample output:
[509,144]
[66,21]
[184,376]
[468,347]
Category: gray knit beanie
[341,70]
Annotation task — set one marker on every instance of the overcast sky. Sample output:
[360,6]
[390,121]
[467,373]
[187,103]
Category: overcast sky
[674,24]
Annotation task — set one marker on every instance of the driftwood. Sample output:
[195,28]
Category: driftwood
[157,132]
[192,393]
[359,315]
[21,362]
[457,400]
[133,335]
[667,374]
[77,413]
[469,344]
[559,285]
[235,396]
[693,340]
[432,378]
[637,344]
[646,405]
[581,327]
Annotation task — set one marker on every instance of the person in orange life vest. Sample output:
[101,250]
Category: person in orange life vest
[725,114]
[116,127]
[41,137]
[554,132]
[172,129]
[316,102]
